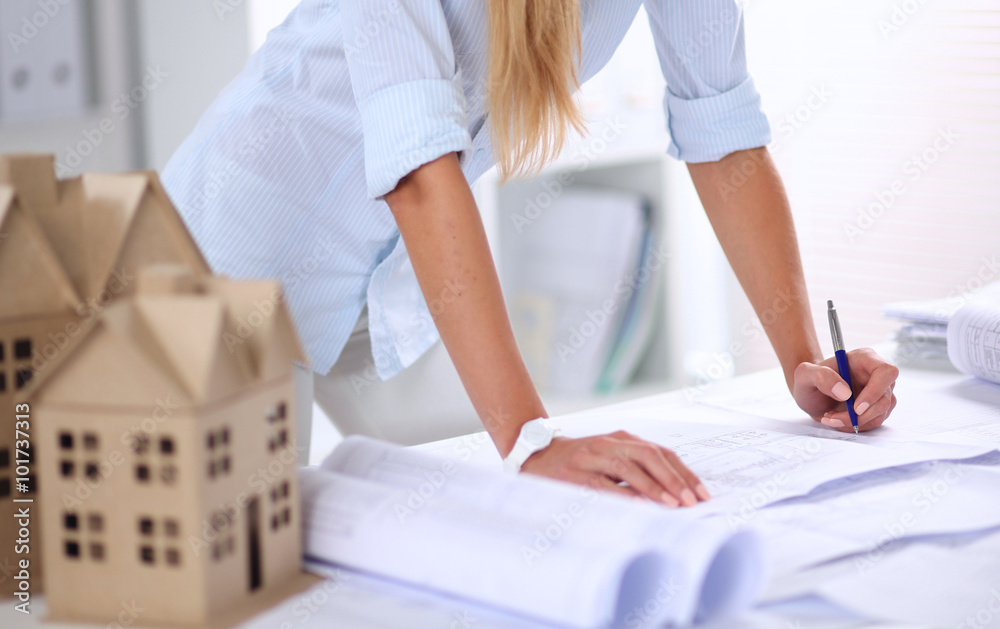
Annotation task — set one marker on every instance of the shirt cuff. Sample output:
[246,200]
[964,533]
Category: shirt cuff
[708,129]
[408,125]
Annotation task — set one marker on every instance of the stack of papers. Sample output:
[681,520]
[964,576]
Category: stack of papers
[547,551]
[924,333]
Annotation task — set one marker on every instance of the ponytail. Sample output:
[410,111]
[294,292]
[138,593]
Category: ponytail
[534,49]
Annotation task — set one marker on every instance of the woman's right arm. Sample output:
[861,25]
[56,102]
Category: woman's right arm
[444,236]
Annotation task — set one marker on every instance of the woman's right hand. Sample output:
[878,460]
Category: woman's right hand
[606,461]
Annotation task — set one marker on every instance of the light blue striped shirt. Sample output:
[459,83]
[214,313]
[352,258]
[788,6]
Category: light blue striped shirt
[284,174]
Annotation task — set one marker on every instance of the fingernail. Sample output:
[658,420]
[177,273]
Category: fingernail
[702,492]
[687,498]
[833,423]
[841,391]
[861,408]
[668,500]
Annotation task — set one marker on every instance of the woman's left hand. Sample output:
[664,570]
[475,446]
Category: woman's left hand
[820,391]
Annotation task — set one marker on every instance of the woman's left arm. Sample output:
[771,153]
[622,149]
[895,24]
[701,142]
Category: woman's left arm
[751,217]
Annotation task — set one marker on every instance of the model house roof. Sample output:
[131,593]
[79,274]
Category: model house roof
[32,278]
[193,339]
[102,227]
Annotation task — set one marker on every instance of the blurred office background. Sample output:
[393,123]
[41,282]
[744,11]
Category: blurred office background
[886,129]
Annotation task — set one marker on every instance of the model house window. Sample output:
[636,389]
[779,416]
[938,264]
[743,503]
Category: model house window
[4,458]
[74,531]
[4,487]
[140,444]
[21,378]
[281,506]
[159,538]
[224,543]
[217,444]
[22,349]
[279,434]
[90,441]
[65,441]
[3,382]
[1,351]
[66,468]
[159,463]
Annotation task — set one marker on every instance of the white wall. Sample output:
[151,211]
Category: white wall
[201,46]
[891,75]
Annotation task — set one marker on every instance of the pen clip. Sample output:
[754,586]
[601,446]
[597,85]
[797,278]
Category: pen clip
[838,337]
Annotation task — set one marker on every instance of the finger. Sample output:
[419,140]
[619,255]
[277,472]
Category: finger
[657,458]
[689,477]
[619,466]
[657,465]
[603,483]
[825,379]
[872,418]
[881,380]
[880,419]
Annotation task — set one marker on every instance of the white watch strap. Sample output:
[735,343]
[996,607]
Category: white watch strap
[524,448]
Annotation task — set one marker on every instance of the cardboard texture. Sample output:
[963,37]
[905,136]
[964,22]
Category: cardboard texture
[177,405]
[68,248]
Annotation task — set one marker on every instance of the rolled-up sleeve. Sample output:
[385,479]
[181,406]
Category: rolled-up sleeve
[406,85]
[712,105]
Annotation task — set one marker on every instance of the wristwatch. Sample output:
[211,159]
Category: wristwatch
[535,435]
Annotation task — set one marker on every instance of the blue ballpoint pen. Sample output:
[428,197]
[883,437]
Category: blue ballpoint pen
[842,366]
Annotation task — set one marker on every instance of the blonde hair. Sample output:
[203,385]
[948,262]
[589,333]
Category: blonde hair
[534,49]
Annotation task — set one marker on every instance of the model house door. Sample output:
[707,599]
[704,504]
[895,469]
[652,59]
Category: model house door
[253,539]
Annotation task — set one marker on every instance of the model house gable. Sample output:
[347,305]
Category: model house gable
[107,369]
[32,280]
[189,331]
[259,320]
[102,227]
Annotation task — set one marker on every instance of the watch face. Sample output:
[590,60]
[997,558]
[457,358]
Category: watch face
[537,433]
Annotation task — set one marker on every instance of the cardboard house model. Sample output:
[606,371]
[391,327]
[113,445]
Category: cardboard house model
[68,248]
[180,398]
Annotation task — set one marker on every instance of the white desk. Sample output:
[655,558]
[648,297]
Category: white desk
[353,601]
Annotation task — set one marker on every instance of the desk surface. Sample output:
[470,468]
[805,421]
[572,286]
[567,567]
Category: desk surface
[349,600]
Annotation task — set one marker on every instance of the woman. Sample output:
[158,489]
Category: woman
[340,161]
